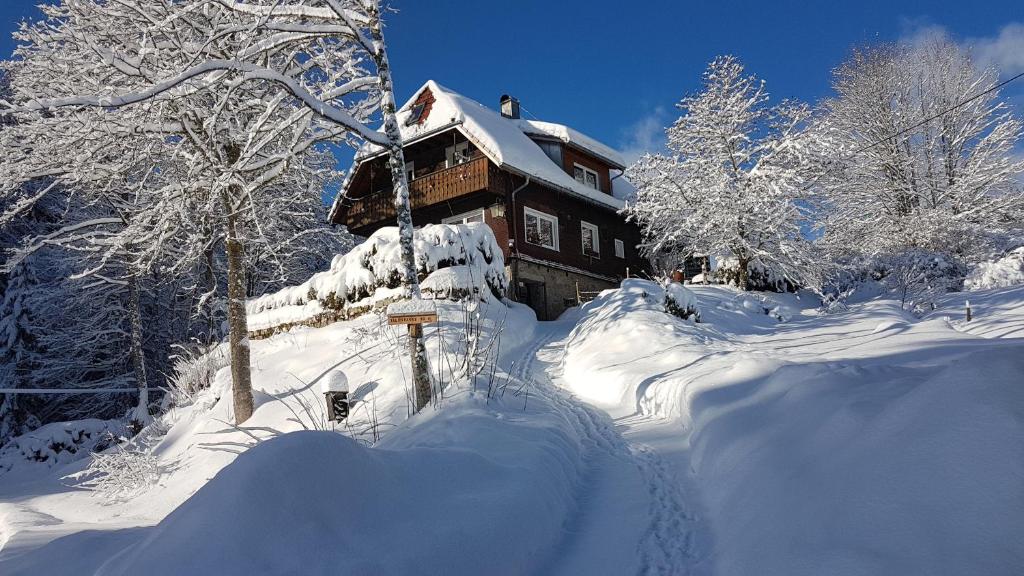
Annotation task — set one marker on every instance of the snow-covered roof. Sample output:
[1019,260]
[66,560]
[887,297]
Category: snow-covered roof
[503,141]
[573,137]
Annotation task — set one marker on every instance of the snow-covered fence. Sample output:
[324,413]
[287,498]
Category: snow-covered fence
[454,261]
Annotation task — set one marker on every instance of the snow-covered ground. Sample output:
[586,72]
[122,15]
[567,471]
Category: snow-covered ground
[766,439]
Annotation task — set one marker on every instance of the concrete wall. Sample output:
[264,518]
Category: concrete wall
[559,287]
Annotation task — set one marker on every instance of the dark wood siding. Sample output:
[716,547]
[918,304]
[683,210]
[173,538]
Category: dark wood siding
[570,212]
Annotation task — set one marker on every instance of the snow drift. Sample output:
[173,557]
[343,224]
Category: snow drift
[453,260]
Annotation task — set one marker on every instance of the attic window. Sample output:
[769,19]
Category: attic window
[416,114]
[585,176]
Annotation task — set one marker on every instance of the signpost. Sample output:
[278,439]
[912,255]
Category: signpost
[415,313]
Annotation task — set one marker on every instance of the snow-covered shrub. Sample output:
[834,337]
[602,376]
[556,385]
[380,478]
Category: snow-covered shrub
[759,277]
[918,277]
[454,261]
[681,302]
[59,443]
[194,370]
[121,472]
[1004,272]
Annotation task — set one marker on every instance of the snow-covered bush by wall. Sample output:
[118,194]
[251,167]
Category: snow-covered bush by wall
[59,443]
[681,302]
[454,261]
[1004,272]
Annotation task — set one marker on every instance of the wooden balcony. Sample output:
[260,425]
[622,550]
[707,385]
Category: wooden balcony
[473,176]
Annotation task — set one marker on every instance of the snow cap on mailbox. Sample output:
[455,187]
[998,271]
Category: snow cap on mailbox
[335,381]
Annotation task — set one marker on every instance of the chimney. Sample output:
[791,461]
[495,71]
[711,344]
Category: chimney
[509,107]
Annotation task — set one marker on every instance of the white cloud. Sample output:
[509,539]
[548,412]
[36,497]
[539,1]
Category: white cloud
[645,135]
[1004,52]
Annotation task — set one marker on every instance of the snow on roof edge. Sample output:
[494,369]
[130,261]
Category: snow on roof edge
[571,136]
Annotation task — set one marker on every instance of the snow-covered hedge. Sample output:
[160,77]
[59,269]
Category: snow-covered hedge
[1004,272]
[681,302]
[453,260]
[59,443]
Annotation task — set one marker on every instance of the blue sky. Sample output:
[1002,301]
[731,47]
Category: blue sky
[615,71]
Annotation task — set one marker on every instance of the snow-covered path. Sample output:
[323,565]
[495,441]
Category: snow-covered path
[631,516]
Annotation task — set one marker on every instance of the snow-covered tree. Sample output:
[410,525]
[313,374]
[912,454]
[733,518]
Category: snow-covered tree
[920,146]
[733,182]
[244,89]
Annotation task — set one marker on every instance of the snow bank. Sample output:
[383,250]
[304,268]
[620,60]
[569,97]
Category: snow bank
[879,466]
[454,261]
[1005,272]
[354,510]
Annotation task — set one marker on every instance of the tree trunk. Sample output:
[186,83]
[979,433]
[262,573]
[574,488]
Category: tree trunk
[140,415]
[743,278]
[410,281]
[238,326]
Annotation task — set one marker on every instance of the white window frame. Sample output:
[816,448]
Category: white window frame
[597,178]
[410,170]
[458,153]
[596,245]
[620,249]
[461,218]
[527,211]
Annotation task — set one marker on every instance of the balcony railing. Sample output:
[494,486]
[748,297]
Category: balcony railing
[433,188]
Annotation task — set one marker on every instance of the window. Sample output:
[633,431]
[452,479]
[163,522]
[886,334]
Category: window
[416,114]
[620,249]
[465,217]
[591,239]
[585,176]
[457,154]
[410,170]
[541,228]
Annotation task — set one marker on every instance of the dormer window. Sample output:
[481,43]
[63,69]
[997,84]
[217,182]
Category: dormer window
[585,176]
[416,114]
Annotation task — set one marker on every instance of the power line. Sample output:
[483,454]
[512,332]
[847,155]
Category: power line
[919,124]
[933,117]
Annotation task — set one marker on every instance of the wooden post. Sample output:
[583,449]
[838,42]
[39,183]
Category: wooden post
[967,304]
[414,318]
[627,272]
[579,301]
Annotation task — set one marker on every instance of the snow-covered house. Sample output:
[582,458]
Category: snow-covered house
[550,193]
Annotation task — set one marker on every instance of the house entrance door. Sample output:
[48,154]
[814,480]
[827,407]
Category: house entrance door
[535,295]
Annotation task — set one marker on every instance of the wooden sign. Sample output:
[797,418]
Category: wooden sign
[419,318]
